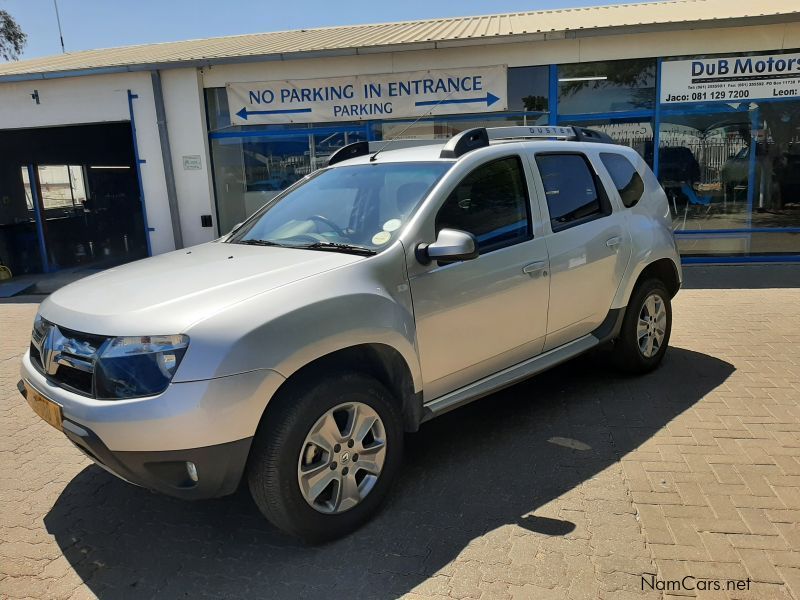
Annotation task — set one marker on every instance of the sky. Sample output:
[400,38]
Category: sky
[89,24]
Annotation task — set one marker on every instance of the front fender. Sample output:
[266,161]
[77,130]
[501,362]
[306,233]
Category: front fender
[367,302]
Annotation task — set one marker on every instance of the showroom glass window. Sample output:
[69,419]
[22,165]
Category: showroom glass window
[607,86]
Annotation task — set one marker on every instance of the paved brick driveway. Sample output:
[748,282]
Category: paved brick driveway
[571,485]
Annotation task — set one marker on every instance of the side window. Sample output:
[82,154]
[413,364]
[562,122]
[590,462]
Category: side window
[492,204]
[573,196]
[627,180]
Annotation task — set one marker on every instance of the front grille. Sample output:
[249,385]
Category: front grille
[72,354]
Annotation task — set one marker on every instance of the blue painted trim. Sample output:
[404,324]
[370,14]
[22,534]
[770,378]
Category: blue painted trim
[38,214]
[702,109]
[138,162]
[751,172]
[552,95]
[710,260]
[657,118]
[752,230]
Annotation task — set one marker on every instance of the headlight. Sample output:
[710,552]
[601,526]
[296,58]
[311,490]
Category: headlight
[131,367]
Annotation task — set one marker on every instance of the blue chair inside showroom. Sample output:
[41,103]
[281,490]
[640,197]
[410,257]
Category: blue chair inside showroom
[694,200]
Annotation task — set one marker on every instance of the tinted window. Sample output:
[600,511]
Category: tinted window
[491,203]
[570,188]
[627,181]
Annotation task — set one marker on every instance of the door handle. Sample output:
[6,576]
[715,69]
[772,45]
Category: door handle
[614,241]
[535,267]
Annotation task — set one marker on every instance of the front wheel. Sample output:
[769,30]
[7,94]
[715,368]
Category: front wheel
[646,328]
[325,455]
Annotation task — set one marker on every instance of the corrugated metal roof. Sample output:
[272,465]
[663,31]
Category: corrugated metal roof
[386,36]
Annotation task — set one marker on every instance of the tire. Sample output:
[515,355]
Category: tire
[628,355]
[283,454]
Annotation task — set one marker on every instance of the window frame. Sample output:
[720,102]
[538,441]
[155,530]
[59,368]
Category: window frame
[635,170]
[528,210]
[606,208]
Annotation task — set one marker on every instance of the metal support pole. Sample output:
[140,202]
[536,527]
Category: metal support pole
[166,154]
[139,162]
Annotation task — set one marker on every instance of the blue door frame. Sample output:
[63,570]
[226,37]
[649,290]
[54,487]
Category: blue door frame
[37,212]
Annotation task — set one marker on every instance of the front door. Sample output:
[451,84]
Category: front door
[479,316]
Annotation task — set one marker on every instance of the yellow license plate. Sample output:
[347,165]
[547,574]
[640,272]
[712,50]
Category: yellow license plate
[46,409]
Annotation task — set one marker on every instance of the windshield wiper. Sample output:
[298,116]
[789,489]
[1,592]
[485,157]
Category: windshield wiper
[337,247]
[260,243]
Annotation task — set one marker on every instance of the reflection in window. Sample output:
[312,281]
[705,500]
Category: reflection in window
[703,168]
[636,134]
[569,186]
[251,171]
[491,203]
[445,128]
[610,86]
[626,179]
[61,186]
[527,89]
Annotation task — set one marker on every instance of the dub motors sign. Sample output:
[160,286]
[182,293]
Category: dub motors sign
[731,79]
[360,97]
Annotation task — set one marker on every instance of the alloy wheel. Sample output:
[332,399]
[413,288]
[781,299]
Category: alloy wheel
[652,325]
[342,458]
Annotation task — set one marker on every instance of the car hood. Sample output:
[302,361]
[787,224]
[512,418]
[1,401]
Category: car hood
[166,294]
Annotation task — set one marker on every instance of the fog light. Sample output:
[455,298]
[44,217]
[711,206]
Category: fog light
[191,469]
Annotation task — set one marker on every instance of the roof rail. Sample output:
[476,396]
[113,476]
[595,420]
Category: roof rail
[363,148]
[478,137]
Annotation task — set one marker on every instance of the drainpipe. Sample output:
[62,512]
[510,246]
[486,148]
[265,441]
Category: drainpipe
[166,154]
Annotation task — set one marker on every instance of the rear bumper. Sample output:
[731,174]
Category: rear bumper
[218,468]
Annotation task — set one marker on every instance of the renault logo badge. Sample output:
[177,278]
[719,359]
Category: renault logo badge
[52,345]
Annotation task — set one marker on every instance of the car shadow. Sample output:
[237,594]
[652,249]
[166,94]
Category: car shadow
[492,463]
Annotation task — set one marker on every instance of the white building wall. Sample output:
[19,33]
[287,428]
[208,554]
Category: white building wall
[103,98]
[98,99]
[186,123]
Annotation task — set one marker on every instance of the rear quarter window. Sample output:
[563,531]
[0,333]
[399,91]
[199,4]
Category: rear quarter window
[626,178]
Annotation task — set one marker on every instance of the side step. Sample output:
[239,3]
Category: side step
[506,377]
[608,330]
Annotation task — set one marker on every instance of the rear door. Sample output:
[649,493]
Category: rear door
[587,242]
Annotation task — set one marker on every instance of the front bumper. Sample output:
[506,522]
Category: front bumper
[148,441]
[218,468]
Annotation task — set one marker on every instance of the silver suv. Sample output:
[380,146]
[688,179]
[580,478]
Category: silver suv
[404,280]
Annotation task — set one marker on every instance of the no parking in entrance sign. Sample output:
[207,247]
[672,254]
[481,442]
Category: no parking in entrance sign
[362,97]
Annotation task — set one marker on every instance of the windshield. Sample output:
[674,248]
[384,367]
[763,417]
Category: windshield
[359,208]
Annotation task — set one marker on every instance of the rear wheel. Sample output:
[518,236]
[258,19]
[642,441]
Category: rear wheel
[325,456]
[646,329]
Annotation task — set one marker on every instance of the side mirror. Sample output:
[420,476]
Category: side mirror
[451,245]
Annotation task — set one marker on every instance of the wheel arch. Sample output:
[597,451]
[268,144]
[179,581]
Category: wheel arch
[381,361]
[664,270]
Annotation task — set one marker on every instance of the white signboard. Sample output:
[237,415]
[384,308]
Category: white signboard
[192,162]
[361,97]
[731,79]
